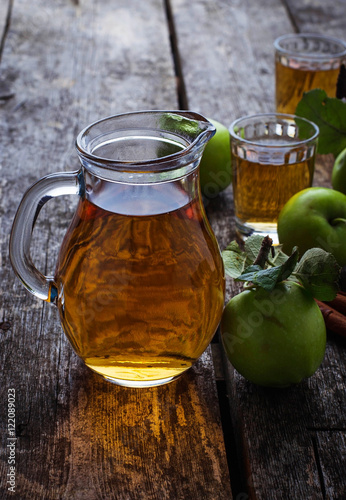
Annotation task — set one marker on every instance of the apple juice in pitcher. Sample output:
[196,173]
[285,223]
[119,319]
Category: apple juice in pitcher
[139,279]
[140,273]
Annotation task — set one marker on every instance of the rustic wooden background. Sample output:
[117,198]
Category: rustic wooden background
[211,435]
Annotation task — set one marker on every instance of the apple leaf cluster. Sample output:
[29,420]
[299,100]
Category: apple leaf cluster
[329,114]
[236,260]
[269,277]
[317,271]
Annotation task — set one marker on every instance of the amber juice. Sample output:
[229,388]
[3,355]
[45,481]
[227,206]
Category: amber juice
[140,295]
[291,83]
[261,190]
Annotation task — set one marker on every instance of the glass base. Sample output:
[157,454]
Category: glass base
[136,376]
[246,229]
[140,383]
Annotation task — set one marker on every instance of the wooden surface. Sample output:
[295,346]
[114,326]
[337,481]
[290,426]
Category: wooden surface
[210,435]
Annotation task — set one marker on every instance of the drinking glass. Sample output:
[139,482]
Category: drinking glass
[273,158]
[304,62]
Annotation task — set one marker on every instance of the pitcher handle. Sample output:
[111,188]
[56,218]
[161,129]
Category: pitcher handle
[33,200]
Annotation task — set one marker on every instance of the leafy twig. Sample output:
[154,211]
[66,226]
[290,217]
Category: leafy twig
[317,270]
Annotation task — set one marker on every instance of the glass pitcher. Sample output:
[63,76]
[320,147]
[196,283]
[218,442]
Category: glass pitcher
[139,280]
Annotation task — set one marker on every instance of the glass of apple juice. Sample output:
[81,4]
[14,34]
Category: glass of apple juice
[304,62]
[273,157]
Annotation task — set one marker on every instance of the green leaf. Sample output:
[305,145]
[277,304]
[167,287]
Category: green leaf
[234,247]
[235,260]
[329,114]
[268,278]
[252,246]
[319,272]
[289,265]
[279,256]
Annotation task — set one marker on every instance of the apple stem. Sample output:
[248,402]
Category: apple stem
[263,253]
[337,220]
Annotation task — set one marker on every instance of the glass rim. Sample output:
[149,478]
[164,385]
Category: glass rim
[278,116]
[170,162]
[307,55]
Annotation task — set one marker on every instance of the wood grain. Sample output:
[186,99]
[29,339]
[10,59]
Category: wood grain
[227,62]
[318,16]
[81,437]
[68,63]
[329,446]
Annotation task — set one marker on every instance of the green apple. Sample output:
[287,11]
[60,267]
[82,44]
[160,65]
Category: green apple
[339,172]
[315,217]
[215,168]
[275,338]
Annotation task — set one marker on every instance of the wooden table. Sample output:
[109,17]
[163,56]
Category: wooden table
[210,435]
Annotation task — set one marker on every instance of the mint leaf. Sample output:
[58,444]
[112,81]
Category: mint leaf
[329,114]
[319,273]
[268,278]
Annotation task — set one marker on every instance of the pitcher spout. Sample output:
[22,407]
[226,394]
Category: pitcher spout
[196,129]
[143,142]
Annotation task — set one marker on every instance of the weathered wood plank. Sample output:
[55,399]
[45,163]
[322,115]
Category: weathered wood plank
[318,16]
[69,63]
[325,402]
[227,59]
[228,73]
[5,15]
[276,430]
[99,441]
[330,448]
[277,451]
